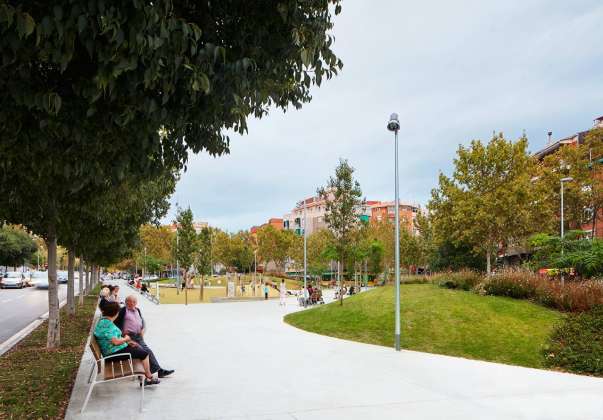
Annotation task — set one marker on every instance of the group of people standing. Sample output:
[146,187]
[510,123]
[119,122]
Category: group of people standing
[121,330]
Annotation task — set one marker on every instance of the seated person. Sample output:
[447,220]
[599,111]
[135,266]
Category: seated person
[111,342]
[143,288]
[104,295]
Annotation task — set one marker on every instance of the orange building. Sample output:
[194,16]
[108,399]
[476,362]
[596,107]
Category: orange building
[275,222]
[386,211]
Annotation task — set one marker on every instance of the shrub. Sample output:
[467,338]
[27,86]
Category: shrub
[577,344]
[464,279]
[573,296]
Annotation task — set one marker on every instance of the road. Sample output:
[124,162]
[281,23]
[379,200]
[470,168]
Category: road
[22,306]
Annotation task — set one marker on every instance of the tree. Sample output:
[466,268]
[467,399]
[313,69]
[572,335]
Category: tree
[203,261]
[319,245]
[342,196]
[274,246]
[375,257]
[186,244]
[16,246]
[488,201]
[158,241]
[162,78]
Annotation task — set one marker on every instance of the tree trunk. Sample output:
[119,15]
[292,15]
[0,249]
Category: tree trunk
[70,282]
[201,288]
[340,283]
[87,275]
[488,265]
[81,281]
[53,339]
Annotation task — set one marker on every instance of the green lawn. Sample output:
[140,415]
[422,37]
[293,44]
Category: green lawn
[438,320]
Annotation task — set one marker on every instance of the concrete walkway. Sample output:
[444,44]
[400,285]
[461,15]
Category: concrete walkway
[241,361]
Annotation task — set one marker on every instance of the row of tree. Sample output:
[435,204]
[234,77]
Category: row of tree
[100,105]
[499,195]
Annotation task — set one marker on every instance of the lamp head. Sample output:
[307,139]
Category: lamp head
[393,124]
[567,179]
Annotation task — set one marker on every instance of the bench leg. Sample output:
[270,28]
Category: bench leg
[88,396]
[91,372]
[141,392]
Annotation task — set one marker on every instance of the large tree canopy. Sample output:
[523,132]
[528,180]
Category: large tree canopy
[138,83]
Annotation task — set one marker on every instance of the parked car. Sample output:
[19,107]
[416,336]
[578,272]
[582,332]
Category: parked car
[13,279]
[40,279]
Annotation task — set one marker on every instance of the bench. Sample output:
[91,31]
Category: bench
[107,369]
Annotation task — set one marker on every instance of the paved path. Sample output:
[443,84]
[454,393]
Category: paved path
[22,306]
[240,361]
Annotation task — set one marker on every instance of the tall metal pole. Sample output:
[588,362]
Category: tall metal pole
[394,125]
[397,213]
[305,248]
[562,230]
[177,264]
[562,233]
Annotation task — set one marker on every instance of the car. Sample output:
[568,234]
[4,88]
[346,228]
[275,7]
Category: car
[40,279]
[62,276]
[13,279]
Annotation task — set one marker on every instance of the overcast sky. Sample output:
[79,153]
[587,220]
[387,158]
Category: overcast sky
[453,71]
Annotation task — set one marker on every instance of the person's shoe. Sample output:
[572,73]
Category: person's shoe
[163,372]
[153,381]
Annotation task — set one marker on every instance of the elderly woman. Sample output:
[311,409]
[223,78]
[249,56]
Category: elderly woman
[104,297]
[111,342]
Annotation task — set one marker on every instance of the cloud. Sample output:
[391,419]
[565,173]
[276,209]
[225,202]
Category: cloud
[454,71]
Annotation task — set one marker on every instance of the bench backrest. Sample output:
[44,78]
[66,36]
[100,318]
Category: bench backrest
[96,351]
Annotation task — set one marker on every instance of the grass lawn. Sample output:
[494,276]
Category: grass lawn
[438,320]
[36,383]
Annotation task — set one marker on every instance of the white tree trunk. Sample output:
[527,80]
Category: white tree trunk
[53,339]
[70,282]
[488,264]
[81,281]
[87,275]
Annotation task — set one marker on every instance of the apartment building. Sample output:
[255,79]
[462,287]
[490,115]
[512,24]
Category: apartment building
[571,141]
[407,211]
[275,222]
[371,210]
[198,226]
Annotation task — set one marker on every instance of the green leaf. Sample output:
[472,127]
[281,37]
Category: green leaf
[81,23]
[305,57]
[7,13]
[58,12]
[25,25]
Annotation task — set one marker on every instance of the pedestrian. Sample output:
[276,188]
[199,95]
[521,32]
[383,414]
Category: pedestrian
[283,293]
[265,291]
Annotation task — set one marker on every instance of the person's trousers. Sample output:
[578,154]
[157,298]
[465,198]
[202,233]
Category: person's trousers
[154,364]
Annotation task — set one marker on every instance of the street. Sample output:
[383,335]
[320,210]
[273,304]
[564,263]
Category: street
[22,306]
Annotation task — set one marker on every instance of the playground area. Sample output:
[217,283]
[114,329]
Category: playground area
[216,288]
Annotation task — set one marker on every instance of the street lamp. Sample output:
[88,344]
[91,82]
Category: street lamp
[563,180]
[305,249]
[394,125]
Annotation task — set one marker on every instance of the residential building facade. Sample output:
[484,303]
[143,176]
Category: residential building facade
[595,227]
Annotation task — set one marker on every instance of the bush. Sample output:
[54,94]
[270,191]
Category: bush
[464,279]
[577,344]
[573,296]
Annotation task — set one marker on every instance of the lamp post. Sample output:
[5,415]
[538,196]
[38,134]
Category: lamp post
[394,125]
[305,248]
[563,180]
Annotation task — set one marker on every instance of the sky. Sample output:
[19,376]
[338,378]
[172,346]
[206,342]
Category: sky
[453,71]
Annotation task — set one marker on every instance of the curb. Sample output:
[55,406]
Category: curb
[20,335]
